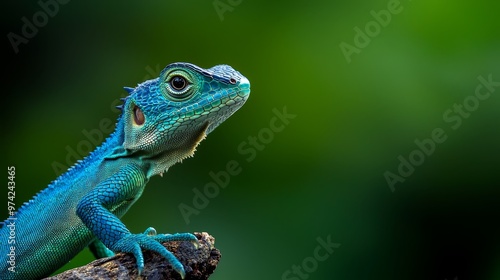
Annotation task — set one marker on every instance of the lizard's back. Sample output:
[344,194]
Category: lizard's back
[50,223]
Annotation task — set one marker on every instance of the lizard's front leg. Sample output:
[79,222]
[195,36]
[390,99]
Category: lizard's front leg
[118,191]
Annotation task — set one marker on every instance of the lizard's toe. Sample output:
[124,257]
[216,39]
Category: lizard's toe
[177,237]
[133,243]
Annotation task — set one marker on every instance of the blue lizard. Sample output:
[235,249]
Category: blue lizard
[162,122]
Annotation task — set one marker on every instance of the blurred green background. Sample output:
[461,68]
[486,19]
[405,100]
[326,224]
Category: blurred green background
[323,174]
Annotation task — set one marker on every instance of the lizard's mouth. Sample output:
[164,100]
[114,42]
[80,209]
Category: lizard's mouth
[223,114]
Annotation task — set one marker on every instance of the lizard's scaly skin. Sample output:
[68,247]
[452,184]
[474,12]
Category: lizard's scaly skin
[162,122]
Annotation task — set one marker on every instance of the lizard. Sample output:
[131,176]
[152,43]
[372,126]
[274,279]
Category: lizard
[161,123]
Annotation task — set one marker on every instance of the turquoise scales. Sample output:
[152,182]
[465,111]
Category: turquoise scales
[162,122]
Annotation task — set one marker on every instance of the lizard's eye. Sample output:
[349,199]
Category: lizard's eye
[178,83]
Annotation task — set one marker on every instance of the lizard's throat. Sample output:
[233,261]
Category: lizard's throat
[184,147]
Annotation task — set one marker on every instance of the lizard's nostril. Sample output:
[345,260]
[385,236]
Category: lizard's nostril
[232,81]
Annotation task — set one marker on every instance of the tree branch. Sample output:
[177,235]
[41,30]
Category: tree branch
[199,264]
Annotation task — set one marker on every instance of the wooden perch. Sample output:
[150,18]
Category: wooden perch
[199,263]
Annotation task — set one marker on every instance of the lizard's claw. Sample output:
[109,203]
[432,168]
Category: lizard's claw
[196,244]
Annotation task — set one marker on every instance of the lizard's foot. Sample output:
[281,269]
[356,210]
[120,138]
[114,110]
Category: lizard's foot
[149,240]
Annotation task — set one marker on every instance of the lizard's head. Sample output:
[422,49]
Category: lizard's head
[166,118]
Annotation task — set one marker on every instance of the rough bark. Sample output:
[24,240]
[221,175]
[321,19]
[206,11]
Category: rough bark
[199,263]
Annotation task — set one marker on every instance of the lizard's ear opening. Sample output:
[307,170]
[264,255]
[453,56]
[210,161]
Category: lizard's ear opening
[136,132]
[139,118]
